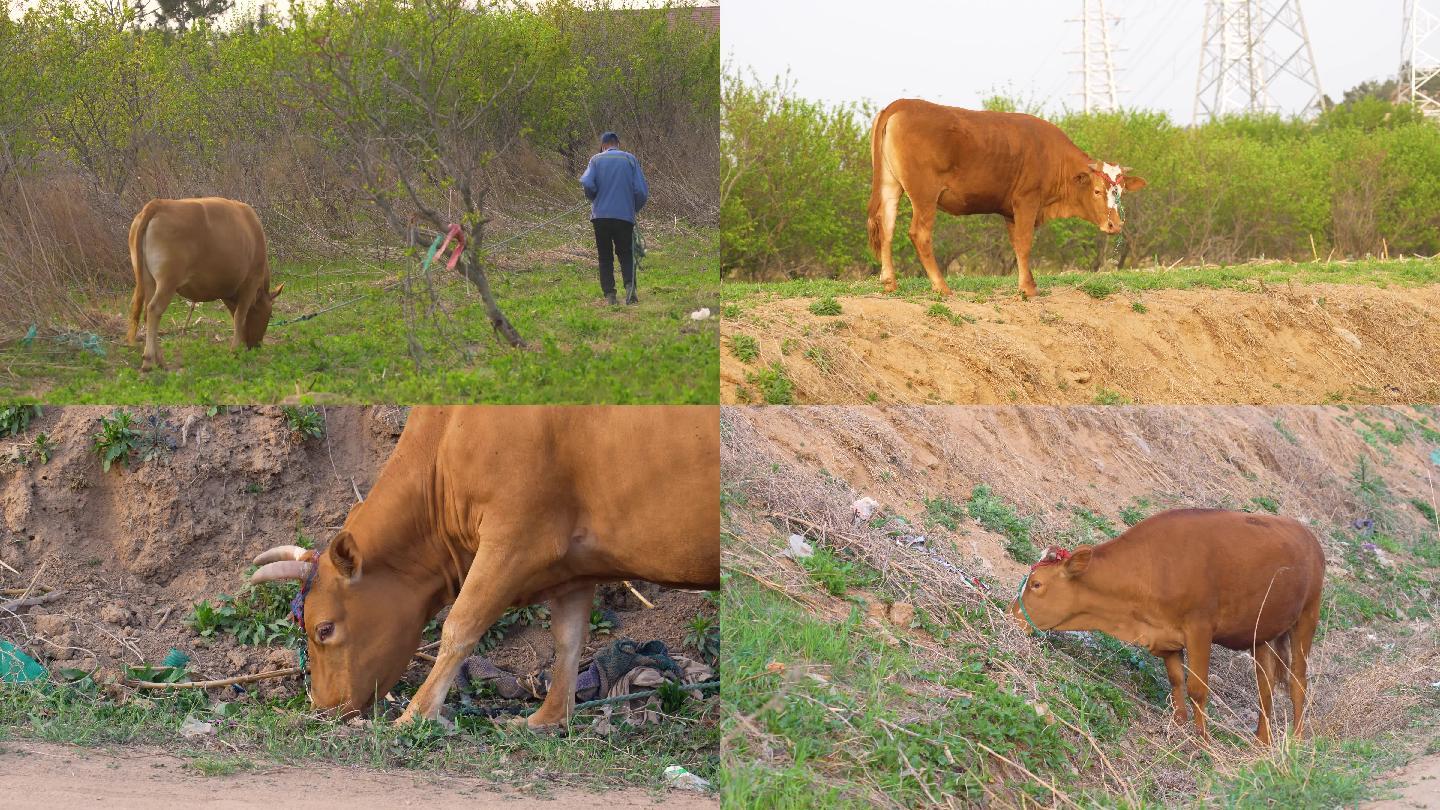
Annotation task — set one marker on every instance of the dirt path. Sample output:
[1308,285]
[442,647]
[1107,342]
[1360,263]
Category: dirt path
[1292,344]
[1419,786]
[48,775]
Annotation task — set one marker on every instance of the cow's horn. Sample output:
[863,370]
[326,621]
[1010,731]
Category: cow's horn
[284,569]
[281,553]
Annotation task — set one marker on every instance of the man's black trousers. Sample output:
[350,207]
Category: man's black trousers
[615,237]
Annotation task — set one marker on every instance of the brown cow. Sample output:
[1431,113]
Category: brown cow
[205,249]
[981,162]
[1184,579]
[496,507]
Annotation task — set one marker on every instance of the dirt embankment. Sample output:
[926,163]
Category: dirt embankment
[131,551]
[1292,344]
[800,468]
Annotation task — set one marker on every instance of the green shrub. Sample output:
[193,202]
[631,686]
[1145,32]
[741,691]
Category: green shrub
[744,347]
[825,306]
[304,422]
[115,440]
[15,418]
[773,383]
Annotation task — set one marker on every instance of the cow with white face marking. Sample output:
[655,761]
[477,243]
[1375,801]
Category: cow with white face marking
[982,162]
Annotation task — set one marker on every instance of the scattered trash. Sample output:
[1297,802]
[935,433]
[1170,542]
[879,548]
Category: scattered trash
[1435,457]
[1365,526]
[677,777]
[863,509]
[799,549]
[911,541]
[29,336]
[194,727]
[700,314]
[1379,554]
[17,667]
[775,668]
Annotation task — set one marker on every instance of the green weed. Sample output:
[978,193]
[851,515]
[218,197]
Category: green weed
[744,347]
[115,440]
[990,511]
[15,418]
[304,422]
[825,306]
[774,384]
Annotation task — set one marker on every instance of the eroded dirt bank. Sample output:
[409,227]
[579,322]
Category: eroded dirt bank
[130,551]
[1312,343]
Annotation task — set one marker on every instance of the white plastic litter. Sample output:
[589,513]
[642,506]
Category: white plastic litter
[864,508]
[700,314]
[195,727]
[799,549]
[677,777]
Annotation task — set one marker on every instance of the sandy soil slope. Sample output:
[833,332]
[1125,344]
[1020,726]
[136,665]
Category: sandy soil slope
[48,775]
[1312,343]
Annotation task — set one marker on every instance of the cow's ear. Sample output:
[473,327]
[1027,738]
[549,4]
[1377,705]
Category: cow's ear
[345,555]
[1134,183]
[1079,561]
[1083,178]
[275,293]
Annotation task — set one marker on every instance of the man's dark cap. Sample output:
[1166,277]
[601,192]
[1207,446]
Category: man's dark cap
[609,137]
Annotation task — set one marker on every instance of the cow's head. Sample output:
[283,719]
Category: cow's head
[1054,591]
[1100,187]
[257,320]
[362,622]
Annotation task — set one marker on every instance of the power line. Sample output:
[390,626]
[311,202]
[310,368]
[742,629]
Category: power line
[1246,47]
[1420,57]
[1098,92]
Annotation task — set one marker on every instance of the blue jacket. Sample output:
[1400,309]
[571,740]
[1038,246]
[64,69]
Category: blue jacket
[615,185]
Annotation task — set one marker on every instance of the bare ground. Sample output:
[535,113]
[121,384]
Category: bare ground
[49,775]
[1313,343]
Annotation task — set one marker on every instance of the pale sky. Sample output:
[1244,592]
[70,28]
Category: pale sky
[960,51]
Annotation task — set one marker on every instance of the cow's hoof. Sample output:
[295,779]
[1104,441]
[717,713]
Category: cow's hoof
[890,286]
[945,292]
[1029,292]
[544,727]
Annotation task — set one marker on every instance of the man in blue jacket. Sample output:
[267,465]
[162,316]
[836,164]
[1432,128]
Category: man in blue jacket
[617,191]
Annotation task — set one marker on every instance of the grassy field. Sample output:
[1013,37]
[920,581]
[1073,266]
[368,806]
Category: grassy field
[581,350]
[1100,284]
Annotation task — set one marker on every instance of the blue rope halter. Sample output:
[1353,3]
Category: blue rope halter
[297,605]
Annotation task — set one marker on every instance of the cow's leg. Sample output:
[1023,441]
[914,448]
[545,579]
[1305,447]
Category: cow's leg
[1197,659]
[922,230]
[476,608]
[889,209]
[1175,671]
[159,301]
[239,313]
[1265,672]
[1022,236]
[1302,635]
[570,624]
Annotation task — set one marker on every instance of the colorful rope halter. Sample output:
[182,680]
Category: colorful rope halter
[297,605]
[1053,555]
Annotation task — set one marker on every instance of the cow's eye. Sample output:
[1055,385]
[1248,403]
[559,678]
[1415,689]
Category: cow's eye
[1034,586]
[324,631]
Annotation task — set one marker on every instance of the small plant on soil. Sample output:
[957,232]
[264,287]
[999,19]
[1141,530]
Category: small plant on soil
[115,440]
[1107,397]
[1424,508]
[304,422]
[1136,306]
[1136,511]
[944,512]
[1264,502]
[744,347]
[154,442]
[825,306]
[775,387]
[703,633]
[1284,432]
[818,356]
[943,313]
[15,418]
[830,571]
[990,511]
[41,448]
[1088,524]
[259,615]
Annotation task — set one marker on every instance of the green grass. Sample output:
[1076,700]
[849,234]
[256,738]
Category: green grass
[581,350]
[744,347]
[1322,773]
[992,512]
[773,384]
[284,731]
[825,306]
[1400,273]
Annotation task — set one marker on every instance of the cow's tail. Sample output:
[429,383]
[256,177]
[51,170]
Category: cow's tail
[137,262]
[878,170]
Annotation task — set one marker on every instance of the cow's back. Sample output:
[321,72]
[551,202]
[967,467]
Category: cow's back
[641,479]
[982,158]
[212,247]
[1249,575]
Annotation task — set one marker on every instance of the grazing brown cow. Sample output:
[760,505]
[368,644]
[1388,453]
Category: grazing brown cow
[981,162]
[496,507]
[1179,581]
[205,249]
